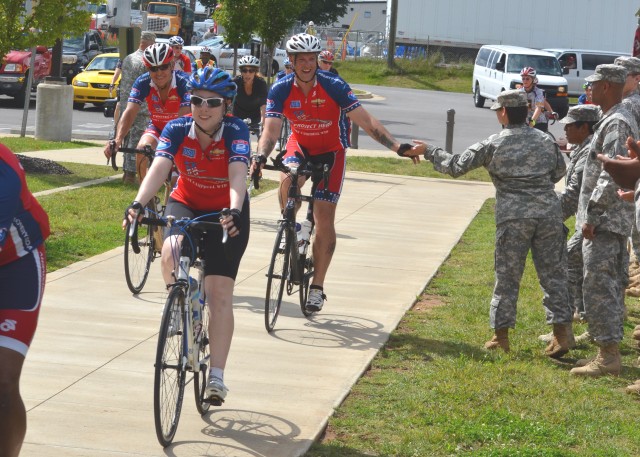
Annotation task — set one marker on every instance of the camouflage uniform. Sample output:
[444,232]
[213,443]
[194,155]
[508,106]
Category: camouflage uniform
[132,67]
[631,102]
[606,260]
[524,164]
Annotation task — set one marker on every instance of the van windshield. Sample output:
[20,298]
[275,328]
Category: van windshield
[544,65]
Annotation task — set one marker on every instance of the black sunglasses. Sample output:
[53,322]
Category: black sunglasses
[159,67]
[247,70]
[210,102]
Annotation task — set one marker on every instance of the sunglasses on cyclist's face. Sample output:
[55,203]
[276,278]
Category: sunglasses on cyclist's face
[527,78]
[210,102]
[160,67]
[177,47]
[247,70]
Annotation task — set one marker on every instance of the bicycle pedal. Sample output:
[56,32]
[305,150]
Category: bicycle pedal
[215,401]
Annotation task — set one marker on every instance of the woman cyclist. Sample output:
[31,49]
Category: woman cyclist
[537,101]
[211,151]
[251,100]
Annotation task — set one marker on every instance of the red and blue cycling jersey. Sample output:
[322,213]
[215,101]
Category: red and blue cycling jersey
[144,89]
[23,223]
[318,121]
[203,184]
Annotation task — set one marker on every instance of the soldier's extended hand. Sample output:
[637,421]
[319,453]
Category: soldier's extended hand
[416,152]
[625,173]
[588,231]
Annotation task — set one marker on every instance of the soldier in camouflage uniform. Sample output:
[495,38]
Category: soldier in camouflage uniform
[578,126]
[626,173]
[524,164]
[132,67]
[605,221]
[631,101]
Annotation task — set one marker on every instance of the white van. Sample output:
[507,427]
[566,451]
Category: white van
[497,68]
[577,64]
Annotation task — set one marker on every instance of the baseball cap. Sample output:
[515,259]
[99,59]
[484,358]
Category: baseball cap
[510,99]
[582,113]
[609,72]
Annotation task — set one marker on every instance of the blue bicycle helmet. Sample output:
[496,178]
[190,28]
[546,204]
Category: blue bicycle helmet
[215,80]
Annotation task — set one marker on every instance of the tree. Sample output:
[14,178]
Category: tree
[49,20]
[210,4]
[323,12]
[237,18]
[274,19]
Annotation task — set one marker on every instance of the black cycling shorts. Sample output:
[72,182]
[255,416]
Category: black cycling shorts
[220,259]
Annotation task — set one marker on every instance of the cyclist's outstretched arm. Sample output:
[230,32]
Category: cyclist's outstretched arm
[160,169]
[124,125]
[270,134]
[378,132]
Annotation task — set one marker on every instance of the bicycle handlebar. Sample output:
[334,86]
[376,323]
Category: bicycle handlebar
[146,151]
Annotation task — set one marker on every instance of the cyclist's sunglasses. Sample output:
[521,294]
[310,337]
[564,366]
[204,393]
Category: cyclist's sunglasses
[162,67]
[247,70]
[210,102]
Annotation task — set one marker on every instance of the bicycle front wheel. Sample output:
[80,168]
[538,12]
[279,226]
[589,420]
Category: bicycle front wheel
[277,275]
[137,264]
[200,378]
[170,372]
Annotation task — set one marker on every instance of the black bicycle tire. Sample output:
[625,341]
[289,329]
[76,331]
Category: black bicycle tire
[200,378]
[305,279]
[284,134]
[166,432]
[271,308]
[136,281]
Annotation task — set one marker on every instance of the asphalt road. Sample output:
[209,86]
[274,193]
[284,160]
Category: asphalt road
[406,113]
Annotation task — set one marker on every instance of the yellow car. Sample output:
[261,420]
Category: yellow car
[92,84]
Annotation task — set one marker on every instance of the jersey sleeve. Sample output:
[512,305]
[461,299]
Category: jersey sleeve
[171,139]
[10,187]
[140,89]
[183,90]
[236,134]
[276,97]
[339,90]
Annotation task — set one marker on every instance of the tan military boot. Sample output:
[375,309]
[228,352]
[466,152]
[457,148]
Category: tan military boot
[606,362]
[633,291]
[500,340]
[562,341]
[584,362]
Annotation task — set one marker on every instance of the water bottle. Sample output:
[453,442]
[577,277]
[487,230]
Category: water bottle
[303,236]
[195,300]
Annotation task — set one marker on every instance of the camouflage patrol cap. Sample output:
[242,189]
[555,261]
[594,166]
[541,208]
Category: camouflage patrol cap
[632,64]
[582,113]
[510,99]
[609,72]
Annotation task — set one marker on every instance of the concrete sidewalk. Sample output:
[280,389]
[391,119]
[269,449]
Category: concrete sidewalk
[88,378]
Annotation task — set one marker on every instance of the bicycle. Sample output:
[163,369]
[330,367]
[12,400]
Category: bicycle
[285,132]
[138,255]
[254,128]
[183,339]
[291,262]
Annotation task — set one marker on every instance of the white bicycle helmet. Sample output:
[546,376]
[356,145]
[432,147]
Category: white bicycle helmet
[157,54]
[176,41]
[303,42]
[249,61]
[205,49]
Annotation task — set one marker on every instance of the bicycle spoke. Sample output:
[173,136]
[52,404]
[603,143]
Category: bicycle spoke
[276,277]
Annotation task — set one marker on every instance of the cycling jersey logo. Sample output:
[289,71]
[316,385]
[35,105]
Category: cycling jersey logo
[173,97]
[318,102]
[270,104]
[8,325]
[216,152]
[188,152]
[165,143]
[3,235]
[295,104]
[155,98]
[240,146]
[352,96]
[192,168]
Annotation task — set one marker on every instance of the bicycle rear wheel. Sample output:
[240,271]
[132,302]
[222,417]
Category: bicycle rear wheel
[137,264]
[305,277]
[277,276]
[200,378]
[170,374]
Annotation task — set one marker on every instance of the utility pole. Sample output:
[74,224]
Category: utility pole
[391,50]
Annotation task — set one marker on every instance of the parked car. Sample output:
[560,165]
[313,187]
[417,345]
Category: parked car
[577,64]
[77,52]
[497,68]
[14,70]
[92,84]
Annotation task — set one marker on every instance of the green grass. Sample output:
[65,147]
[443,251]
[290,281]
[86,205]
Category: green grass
[433,391]
[405,167]
[80,173]
[413,74]
[26,144]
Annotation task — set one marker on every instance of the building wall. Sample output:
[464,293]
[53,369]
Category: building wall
[369,16]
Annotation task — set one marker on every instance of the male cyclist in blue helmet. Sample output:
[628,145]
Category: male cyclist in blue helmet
[211,151]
